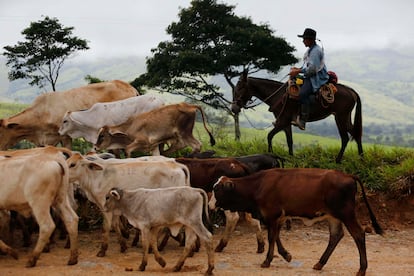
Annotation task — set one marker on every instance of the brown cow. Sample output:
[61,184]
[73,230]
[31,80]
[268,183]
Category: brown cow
[204,173]
[312,194]
[40,122]
[145,132]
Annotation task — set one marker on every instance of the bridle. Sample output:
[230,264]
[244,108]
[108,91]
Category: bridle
[249,103]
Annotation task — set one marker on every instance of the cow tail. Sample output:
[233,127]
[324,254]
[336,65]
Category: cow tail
[374,221]
[206,218]
[212,140]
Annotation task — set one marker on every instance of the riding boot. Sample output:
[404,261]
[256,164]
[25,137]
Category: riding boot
[304,115]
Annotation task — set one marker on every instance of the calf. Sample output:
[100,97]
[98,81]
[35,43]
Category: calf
[180,206]
[145,132]
[312,194]
[96,178]
[31,185]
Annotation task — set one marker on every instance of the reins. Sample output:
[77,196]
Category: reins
[267,98]
[270,96]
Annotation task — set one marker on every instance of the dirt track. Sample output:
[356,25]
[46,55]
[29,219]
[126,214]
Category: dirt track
[388,255]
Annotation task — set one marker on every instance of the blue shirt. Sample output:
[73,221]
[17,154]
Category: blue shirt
[314,67]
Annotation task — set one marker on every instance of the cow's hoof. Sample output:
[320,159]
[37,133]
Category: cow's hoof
[46,249]
[142,267]
[72,261]
[265,264]
[209,271]
[32,261]
[13,253]
[318,266]
[176,268]
[220,246]
[124,247]
[260,247]
[360,273]
[101,254]
[161,261]
[287,257]
[73,257]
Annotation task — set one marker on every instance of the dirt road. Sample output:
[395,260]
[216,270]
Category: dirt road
[392,254]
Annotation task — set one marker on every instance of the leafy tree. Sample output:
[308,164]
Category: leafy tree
[41,56]
[207,41]
[90,79]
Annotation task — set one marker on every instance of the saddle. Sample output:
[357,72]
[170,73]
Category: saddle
[325,94]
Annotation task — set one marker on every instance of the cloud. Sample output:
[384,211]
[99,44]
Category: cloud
[133,27]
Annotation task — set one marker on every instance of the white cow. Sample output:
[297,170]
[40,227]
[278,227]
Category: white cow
[95,179]
[151,209]
[32,183]
[86,123]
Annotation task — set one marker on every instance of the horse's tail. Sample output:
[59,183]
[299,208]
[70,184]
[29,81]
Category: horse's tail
[357,133]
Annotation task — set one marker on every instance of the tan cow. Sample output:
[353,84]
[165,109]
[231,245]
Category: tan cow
[40,122]
[96,177]
[31,185]
[145,132]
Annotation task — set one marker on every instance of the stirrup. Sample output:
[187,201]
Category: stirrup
[295,121]
[300,124]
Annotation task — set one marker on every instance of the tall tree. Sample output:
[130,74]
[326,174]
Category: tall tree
[41,56]
[209,40]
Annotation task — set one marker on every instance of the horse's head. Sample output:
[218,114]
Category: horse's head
[241,94]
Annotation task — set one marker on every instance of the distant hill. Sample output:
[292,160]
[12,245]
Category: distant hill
[73,75]
[383,79]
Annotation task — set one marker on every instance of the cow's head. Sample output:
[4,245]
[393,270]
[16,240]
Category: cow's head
[112,199]
[227,196]
[11,133]
[109,139]
[222,190]
[80,168]
[66,125]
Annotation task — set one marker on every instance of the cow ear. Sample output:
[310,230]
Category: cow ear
[228,185]
[116,193]
[95,167]
[119,134]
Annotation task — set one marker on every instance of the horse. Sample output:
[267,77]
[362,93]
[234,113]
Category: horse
[285,109]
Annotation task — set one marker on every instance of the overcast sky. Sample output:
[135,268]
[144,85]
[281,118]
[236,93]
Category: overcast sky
[133,27]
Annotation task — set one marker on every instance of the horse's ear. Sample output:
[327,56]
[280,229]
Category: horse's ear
[244,75]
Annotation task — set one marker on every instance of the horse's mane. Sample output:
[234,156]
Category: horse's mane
[266,80]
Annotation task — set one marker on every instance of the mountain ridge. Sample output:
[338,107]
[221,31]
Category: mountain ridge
[382,78]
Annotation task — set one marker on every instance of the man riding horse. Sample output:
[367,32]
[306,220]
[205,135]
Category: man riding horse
[314,72]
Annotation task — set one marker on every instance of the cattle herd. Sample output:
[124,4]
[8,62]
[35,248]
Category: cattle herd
[155,193]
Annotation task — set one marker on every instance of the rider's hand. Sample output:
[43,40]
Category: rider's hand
[294,71]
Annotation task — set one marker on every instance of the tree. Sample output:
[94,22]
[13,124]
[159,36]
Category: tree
[41,56]
[210,40]
[90,79]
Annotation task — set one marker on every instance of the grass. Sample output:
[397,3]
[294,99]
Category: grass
[9,109]
[382,168]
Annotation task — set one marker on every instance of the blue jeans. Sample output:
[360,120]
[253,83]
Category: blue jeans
[305,91]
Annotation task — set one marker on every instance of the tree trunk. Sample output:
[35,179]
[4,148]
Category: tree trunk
[237,133]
